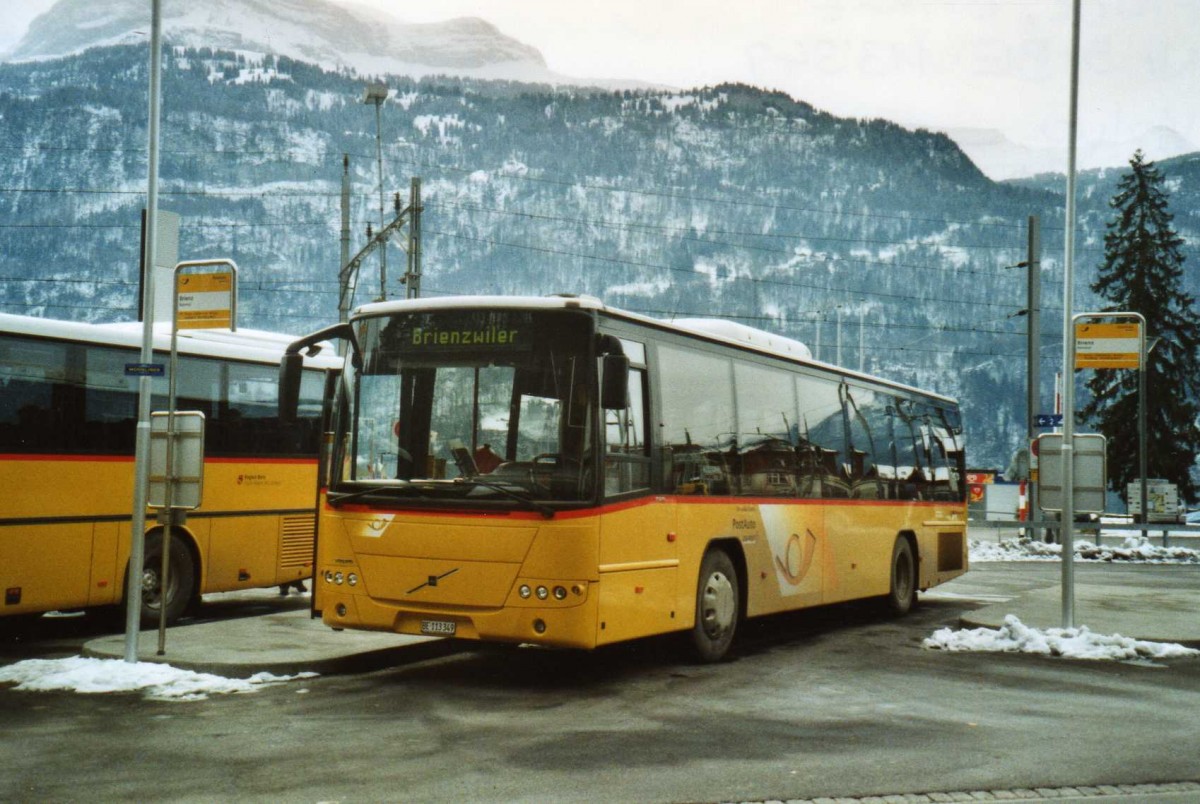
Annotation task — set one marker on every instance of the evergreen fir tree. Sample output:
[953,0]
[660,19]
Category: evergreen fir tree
[1143,273]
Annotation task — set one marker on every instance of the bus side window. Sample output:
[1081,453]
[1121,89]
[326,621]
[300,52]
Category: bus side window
[767,463]
[698,419]
[626,448]
[908,478]
[820,439]
[31,375]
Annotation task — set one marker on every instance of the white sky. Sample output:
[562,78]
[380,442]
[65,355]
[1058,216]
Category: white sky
[999,64]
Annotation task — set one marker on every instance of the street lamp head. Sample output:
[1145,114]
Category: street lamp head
[375,93]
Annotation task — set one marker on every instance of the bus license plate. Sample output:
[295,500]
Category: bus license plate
[438,627]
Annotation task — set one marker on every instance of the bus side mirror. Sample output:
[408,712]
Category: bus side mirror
[614,388]
[291,370]
[291,365]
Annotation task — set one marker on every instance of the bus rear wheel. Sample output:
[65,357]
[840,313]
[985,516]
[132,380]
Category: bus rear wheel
[903,592]
[181,580]
[718,604]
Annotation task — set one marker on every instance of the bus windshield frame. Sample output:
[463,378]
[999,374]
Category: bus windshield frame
[469,408]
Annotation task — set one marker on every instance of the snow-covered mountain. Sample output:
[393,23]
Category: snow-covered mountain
[315,31]
[882,247]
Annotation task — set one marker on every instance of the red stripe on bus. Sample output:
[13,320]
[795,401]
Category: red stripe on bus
[579,513]
[129,459]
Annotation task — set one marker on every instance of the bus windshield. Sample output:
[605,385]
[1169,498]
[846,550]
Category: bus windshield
[469,405]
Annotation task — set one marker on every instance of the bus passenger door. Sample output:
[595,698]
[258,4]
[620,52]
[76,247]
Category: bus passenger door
[638,555]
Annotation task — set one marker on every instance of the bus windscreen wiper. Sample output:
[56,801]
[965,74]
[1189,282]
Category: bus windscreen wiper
[508,491]
[345,497]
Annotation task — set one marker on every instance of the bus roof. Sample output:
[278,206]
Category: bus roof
[250,345]
[716,330]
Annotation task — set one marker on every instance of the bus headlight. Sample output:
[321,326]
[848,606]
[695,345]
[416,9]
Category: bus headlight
[352,579]
[543,593]
[560,593]
[525,591]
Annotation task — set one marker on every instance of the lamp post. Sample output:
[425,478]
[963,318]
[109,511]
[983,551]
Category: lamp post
[377,93]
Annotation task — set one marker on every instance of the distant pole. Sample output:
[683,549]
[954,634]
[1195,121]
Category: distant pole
[345,252]
[1033,338]
[839,334]
[378,93]
[862,311]
[382,223]
[1068,442]
[141,458]
[413,280]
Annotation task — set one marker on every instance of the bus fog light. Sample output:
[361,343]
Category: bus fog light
[560,593]
[352,579]
[341,609]
[337,578]
[543,593]
[525,591]
[539,626]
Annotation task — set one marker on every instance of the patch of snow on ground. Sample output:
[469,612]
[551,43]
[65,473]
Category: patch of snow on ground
[159,682]
[1133,549]
[1072,643]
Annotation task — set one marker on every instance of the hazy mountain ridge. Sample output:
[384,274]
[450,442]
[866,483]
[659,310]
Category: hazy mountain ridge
[312,30]
[725,200]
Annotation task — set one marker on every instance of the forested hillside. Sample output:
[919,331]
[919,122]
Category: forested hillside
[723,201]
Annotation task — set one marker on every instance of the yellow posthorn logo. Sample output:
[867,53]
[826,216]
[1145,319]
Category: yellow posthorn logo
[803,561]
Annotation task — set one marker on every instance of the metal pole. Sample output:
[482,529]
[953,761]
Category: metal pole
[1068,445]
[169,472]
[861,314]
[343,301]
[1034,338]
[413,281]
[379,165]
[1143,366]
[839,334]
[141,459]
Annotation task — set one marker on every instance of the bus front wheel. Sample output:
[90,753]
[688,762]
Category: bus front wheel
[718,603]
[181,580]
[903,592]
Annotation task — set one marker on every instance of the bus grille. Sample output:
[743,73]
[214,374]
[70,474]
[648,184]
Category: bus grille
[296,548]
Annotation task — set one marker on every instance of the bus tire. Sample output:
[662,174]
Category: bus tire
[718,604]
[902,594]
[181,579]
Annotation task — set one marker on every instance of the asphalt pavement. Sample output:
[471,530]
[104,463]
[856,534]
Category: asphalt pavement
[281,642]
[290,641]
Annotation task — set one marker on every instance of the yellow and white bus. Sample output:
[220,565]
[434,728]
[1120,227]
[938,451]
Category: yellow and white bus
[558,472]
[68,414]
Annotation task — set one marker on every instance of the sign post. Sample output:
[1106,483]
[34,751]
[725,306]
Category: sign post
[1095,346]
[201,301]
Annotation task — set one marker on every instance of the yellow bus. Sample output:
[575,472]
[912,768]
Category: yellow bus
[557,472]
[68,414]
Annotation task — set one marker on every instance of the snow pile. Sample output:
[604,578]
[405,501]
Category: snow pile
[1134,549]
[159,682]
[1072,643]
[1013,550]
